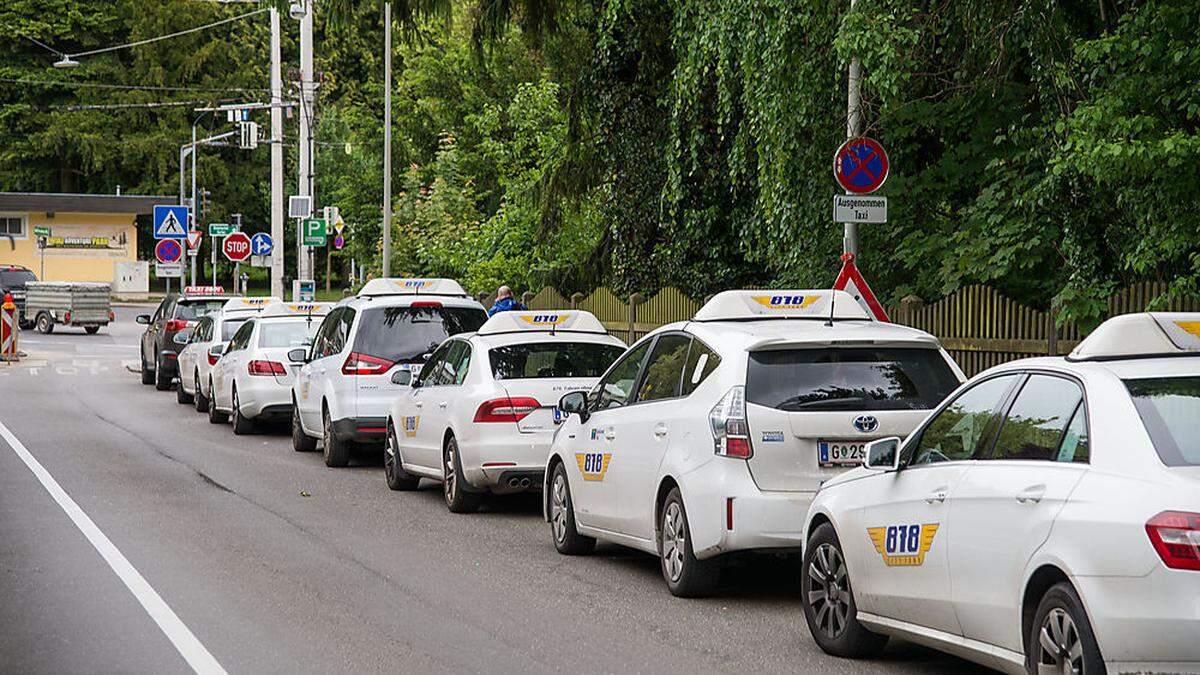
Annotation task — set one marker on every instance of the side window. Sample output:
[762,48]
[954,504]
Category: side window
[159,311]
[701,361]
[664,370]
[201,330]
[242,337]
[431,372]
[955,432]
[463,363]
[320,348]
[343,330]
[615,388]
[1074,446]
[1038,419]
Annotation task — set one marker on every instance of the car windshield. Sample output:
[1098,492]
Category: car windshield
[407,334]
[851,378]
[1170,410]
[229,327]
[552,359]
[293,333]
[190,310]
[14,278]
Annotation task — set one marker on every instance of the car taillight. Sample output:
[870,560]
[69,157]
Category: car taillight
[111,317]
[1176,537]
[67,316]
[731,434]
[507,409]
[365,364]
[212,359]
[258,367]
[174,325]
[427,303]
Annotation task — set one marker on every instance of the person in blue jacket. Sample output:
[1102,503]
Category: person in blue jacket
[505,302]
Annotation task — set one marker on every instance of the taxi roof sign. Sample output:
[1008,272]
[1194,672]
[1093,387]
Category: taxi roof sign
[380,287]
[781,304]
[1142,335]
[204,290]
[296,309]
[248,304]
[545,321]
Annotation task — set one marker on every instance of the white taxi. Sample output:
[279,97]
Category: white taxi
[204,346]
[345,385]
[480,415]
[1045,519]
[253,378]
[712,435]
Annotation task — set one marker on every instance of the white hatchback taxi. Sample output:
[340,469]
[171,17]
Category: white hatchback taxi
[712,435]
[1045,519]
[252,380]
[205,344]
[480,415]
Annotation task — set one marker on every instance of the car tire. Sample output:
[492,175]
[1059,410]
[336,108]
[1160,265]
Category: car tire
[147,374]
[214,416]
[242,425]
[24,325]
[301,442]
[567,539]
[458,499]
[397,478]
[162,381]
[337,450]
[45,325]
[686,576]
[181,396]
[199,399]
[829,606]
[1061,631]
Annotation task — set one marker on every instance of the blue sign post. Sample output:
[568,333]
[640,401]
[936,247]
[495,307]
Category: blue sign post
[170,222]
[261,244]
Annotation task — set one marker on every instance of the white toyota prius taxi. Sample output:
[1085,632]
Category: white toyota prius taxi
[712,435]
[480,415]
[1046,518]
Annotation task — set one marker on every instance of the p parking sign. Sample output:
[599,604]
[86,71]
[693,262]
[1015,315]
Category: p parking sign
[313,230]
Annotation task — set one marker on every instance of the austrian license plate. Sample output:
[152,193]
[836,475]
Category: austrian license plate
[558,415]
[831,453]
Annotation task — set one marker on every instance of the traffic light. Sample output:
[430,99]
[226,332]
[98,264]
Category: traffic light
[202,207]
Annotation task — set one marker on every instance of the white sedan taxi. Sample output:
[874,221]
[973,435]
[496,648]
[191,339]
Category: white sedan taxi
[1045,519]
[204,346]
[480,414]
[253,378]
[712,435]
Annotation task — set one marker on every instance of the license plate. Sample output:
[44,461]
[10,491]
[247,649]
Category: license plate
[840,454]
[558,415]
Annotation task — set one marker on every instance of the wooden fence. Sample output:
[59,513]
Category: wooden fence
[978,326]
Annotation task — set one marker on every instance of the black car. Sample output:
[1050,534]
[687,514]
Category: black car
[12,281]
[160,351]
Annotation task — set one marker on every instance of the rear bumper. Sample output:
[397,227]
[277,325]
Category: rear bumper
[264,397]
[168,360]
[1148,623]
[361,429]
[490,463]
[727,512]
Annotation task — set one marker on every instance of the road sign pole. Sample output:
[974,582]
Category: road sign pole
[387,139]
[195,211]
[853,130]
[277,216]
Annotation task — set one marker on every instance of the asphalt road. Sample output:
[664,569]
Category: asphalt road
[275,563]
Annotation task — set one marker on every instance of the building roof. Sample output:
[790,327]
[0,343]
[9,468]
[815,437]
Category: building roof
[56,202]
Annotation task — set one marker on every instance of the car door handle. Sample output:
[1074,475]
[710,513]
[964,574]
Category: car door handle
[610,433]
[660,430]
[418,404]
[441,404]
[936,497]
[1032,494]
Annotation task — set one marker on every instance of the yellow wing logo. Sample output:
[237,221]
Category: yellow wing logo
[410,424]
[786,301]
[593,465]
[1192,327]
[903,545]
[544,319]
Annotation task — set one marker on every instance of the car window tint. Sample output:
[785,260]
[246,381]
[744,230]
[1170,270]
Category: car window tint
[430,373]
[1170,410]
[229,327]
[291,334]
[551,359]
[1034,425]
[242,337]
[1074,446]
[325,333]
[664,370]
[701,361]
[614,389]
[342,335]
[954,433]
[191,310]
[407,334]
[462,360]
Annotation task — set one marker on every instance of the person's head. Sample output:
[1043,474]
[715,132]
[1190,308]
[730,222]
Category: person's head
[503,292]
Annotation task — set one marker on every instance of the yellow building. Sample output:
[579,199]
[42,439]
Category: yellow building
[88,234]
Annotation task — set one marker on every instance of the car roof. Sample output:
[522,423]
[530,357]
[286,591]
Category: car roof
[773,333]
[525,338]
[1124,369]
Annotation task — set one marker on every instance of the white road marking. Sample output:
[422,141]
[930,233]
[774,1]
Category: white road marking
[189,647]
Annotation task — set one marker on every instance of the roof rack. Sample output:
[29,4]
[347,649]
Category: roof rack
[746,305]
[296,309]
[384,287]
[545,321]
[1142,335]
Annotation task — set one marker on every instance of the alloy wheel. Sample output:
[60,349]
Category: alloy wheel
[1060,649]
[674,540]
[558,507]
[451,482]
[829,594]
[389,453]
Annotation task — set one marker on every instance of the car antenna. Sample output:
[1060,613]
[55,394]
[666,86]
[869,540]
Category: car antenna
[846,257]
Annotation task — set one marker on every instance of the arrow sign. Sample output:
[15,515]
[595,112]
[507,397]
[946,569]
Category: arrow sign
[168,251]
[170,222]
[261,244]
[236,247]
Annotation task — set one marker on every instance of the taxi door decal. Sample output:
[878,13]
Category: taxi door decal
[410,423]
[593,465]
[903,545]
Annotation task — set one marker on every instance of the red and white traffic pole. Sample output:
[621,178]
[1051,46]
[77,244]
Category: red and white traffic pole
[9,329]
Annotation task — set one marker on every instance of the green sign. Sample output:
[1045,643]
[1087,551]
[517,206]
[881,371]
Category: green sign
[39,231]
[220,229]
[314,232]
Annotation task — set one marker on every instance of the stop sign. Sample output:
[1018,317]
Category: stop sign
[236,247]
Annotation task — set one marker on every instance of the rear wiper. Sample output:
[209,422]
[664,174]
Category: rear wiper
[793,404]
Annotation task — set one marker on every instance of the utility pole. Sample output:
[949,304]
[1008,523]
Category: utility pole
[277,252]
[304,266]
[387,139]
[195,209]
[853,130]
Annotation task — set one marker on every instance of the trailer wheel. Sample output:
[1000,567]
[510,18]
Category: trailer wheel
[91,330]
[45,324]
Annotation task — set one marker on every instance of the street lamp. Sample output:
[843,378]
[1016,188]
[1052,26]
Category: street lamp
[66,62]
[296,11]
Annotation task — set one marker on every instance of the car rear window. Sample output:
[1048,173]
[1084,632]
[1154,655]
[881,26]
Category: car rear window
[13,278]
[851,378]
[1170,410]
[407,334]
[298,333]
[190,310]
[552,359]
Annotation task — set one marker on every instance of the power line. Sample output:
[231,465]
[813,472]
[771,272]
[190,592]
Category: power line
[128,87]
[168,37]
[118,106]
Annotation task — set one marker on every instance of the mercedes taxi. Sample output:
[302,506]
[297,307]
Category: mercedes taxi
[349,378]
[712,435]
[203,346]
[1045,519]
[480,415]
[252,379]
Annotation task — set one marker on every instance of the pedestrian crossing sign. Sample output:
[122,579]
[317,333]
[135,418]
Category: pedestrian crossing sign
[170,221]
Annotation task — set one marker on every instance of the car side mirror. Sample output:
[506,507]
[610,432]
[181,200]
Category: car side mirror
[182,337]
[883,454]
[402,378]
[575,402]
[298,355]
[216,350]
[143,319]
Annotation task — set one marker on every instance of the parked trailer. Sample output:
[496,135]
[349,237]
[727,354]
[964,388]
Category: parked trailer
[70,303]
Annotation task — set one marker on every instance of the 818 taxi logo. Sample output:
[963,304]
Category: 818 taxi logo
[593,465]
[410,424]
[903,545]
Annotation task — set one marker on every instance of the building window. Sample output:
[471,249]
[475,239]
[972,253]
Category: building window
[12,226]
